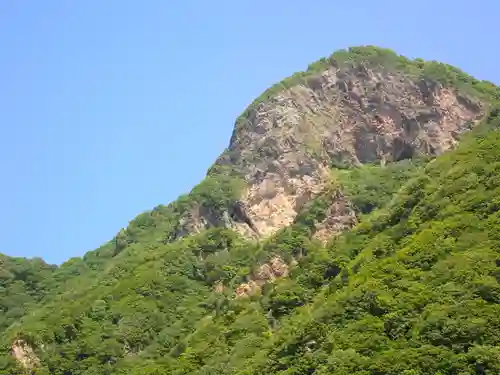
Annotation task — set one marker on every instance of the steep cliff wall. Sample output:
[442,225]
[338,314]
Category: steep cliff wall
[345,114]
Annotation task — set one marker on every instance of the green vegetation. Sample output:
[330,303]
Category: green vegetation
[370,186]
[100,308]
[23,283]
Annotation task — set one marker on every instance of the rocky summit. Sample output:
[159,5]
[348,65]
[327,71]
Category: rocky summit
[366,105]
[351,227]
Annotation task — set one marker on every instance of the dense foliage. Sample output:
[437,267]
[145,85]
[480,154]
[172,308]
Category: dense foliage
[370,187]
[23,283]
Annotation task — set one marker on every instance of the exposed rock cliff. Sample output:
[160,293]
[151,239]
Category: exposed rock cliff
[267,272]
[340,216]
[342,114]
[24,354]
[234,217]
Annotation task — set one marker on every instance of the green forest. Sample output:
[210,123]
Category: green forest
[412,289]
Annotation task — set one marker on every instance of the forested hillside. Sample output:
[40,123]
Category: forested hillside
[23,283]
[391,266]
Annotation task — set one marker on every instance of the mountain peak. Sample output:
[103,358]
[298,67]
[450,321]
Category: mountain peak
[361,105]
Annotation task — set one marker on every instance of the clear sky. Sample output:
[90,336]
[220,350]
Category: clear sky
[108,108]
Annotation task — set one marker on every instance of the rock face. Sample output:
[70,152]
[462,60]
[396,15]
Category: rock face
[285,145]
[24,354]
[268,272]
[200,218]
[340,216]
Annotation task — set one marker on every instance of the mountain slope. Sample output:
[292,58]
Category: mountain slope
[299,253]
[418,290]
[414,289]
[23,283]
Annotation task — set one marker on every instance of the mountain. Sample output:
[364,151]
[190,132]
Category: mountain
[350,227]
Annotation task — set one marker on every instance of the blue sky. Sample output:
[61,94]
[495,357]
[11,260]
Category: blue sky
[108,108]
